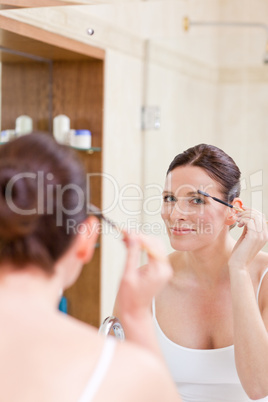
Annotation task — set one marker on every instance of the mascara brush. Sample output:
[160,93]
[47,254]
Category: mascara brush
[220,201]
[93,210]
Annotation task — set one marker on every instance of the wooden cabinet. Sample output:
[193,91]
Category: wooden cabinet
[45,75]
[38,3]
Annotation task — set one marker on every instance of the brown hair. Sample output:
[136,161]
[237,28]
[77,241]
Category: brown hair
[39,183]
[218,165]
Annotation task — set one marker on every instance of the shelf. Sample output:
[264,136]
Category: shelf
[89,150]
[27,38]
[36,3]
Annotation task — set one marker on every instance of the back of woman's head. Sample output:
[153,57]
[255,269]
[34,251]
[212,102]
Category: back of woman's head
[217,164]
[42,188]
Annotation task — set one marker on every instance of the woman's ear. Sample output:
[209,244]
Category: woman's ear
[87,238]
[231,217]
[79,253]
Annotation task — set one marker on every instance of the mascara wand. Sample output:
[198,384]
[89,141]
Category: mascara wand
[93,210]
[220,201]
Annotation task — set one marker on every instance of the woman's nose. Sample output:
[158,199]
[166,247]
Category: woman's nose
[180,210]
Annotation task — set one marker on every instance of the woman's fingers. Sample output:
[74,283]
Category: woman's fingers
[156,252]
[158,268]
[151,245]
[255,233]
[253,219]
[133,252]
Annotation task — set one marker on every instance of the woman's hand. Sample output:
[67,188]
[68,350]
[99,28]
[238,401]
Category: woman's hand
[252,239]
[139,285]
[251,346]
[137,289]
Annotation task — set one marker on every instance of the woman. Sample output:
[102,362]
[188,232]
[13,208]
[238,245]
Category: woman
[207,316]
[212,317]
[44,354]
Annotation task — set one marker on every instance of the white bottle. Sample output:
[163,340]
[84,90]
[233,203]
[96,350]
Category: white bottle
[24,125]
[61,129]
[80,139]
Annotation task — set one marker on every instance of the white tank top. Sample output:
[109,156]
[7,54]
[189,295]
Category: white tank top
[100,371]
[203,375]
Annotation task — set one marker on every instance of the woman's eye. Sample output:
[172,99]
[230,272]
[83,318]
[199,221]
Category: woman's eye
[169,198]
[197,200]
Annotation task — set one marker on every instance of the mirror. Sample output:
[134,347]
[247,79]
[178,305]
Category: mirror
[206,84]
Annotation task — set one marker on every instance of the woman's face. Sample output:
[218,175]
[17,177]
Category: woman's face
[192,220]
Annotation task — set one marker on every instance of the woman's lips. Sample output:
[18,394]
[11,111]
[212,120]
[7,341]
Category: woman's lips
[179,231]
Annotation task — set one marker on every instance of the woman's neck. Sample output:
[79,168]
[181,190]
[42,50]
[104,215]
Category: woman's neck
[29,286]
[210,264]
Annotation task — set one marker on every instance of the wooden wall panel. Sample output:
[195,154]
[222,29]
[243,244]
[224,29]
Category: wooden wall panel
[77,91]
[37,3]
[84,296]
[25,90]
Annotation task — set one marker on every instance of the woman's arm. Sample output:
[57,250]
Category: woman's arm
[133,304]
[137,289]
[250,327]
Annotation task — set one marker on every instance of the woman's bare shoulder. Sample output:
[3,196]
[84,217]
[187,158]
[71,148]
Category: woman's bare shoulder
[135,373]
[263,257]
[142,375]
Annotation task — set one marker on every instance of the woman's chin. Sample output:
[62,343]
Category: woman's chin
[183,244]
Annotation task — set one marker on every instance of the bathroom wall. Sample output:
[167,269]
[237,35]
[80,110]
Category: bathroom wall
[122,163]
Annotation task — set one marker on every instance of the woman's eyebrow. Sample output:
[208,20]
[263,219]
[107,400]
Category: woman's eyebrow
[193,193]
[189,194]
